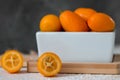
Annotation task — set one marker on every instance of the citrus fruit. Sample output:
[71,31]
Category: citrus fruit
[101,22]
[85,13]
[49,64]
[72,22]
[50,23]
[12,61]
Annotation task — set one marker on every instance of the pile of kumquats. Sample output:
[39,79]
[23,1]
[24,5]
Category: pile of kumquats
[79,20]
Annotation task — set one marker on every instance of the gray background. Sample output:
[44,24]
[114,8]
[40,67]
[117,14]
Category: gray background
[19,19]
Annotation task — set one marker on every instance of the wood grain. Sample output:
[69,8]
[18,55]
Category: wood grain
[93,68]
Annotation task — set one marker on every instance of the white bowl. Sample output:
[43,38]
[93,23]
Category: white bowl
[78,46]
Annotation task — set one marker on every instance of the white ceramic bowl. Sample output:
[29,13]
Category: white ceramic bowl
[78,46]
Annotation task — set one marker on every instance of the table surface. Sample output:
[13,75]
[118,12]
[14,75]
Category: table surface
[23,75]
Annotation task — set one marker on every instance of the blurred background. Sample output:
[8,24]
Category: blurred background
[19,19]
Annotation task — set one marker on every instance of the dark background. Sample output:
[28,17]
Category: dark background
[19,19]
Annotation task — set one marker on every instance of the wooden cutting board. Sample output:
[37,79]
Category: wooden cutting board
[90,68]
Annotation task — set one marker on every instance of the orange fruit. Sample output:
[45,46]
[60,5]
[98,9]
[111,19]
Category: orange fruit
[85,13]
[49,64]
[72,22]
[101,22]
[50,23]
[12,61]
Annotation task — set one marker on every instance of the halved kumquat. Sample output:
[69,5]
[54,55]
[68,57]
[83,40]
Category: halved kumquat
[49,64]
[12,61]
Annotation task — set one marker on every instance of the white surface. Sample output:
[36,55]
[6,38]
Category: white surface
[36,76]
[78,46]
